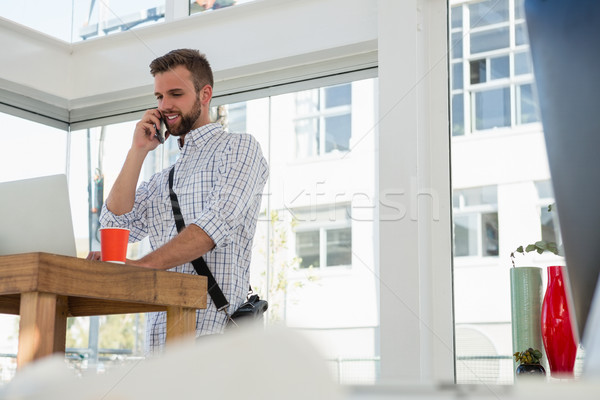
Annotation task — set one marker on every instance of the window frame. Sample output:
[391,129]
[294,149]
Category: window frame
[469,90]
[323,227]
[478,210]
[320,117]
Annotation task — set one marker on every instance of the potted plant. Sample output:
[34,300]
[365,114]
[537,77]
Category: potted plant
[529,362]
[543,319]
[527,298]
[539,246]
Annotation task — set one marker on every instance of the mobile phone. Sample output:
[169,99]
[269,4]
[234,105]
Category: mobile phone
[160,131]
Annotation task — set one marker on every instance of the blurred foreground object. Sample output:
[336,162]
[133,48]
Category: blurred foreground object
[249,364]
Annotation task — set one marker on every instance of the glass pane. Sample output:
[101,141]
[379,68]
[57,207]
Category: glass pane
[521,34]
[491,39]
[307,249]
[457,45]
[50,17]
[544,189]
[500,67]
[478,71]
[492,108]
[528,109]
[486,195]
[339,247]
[489,228]
[519,9]
[338,96]
[456,19]
[99,18]
[337,133]
[481,282]
[29,149]
[523,63]
[465,235]
[458,115]
[457,76]
[488,12]
[322,197]
[232,116]
[307,138]
[548,227]
[307,102]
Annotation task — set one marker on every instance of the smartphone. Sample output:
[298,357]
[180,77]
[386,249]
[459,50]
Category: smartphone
[160,131]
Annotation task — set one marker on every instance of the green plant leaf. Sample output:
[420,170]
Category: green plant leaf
[530,247]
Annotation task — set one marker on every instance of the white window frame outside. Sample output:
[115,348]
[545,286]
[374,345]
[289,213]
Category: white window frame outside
[513,81]
[321,115]
[323,227]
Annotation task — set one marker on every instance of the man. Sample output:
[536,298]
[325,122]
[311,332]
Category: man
[218,179]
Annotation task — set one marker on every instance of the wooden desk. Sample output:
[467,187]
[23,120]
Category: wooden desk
[45,289]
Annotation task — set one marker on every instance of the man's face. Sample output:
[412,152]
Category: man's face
[178,101]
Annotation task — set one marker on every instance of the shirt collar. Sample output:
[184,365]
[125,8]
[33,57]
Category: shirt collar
[199,135]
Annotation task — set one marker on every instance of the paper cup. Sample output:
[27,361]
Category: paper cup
[113,244]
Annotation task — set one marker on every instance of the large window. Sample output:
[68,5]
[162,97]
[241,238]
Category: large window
[306,220]
[502,185]
[27,150]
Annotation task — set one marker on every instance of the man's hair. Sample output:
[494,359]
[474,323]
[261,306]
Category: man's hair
[193,60]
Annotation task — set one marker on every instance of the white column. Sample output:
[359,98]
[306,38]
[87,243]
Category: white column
[414,189]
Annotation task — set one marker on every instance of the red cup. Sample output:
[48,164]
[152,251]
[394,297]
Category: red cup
[113,244]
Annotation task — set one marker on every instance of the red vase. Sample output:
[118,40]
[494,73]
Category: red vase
[557,327]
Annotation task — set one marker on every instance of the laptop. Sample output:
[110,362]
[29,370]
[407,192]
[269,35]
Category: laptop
[35,216]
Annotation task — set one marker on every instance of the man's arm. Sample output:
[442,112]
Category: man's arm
[122,195]
[190,244]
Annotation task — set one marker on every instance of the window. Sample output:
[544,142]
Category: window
[476,222]
[323,121]
[324,237]
[489,44]
[502,181]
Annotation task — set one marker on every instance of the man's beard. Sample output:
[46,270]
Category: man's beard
[187,121]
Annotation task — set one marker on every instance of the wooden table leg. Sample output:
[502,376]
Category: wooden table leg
[42,327]
[181,322]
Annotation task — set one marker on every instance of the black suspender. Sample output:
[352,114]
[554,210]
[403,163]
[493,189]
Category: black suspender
[199,264]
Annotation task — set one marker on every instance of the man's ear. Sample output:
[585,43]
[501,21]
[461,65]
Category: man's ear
[206,94]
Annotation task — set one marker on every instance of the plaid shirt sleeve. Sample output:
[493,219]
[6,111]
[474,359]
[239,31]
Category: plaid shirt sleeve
[240,177]
[137,219]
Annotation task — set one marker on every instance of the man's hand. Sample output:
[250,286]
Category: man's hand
[145,129]
[121,198]
[94,256]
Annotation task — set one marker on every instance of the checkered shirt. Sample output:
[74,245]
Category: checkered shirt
[219,179]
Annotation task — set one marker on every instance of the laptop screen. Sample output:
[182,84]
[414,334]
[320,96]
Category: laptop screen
[35,216]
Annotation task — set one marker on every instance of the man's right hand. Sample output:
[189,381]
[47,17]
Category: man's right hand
[121,198]
[145,129]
